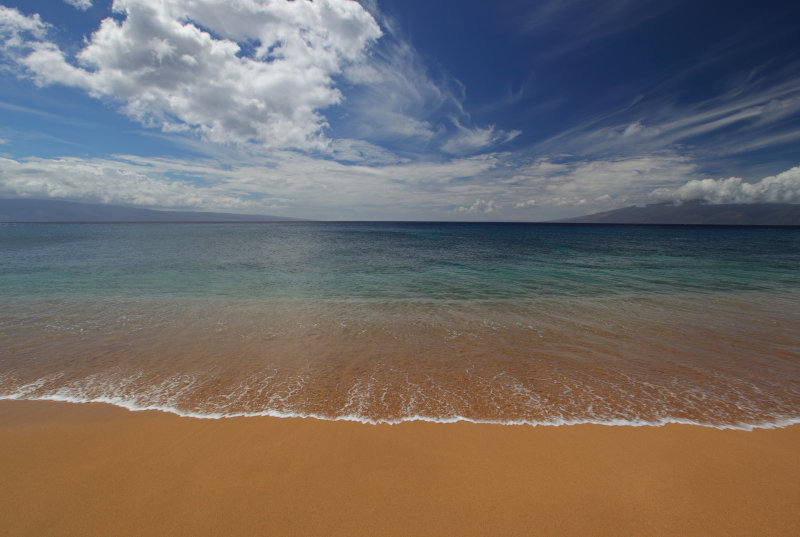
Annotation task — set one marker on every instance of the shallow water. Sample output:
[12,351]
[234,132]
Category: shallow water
[500,323]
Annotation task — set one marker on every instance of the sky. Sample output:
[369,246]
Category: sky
[507,110]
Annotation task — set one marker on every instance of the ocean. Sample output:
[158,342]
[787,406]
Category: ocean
[388,322]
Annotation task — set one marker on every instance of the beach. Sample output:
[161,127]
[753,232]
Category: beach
[414,379]
[394,322]
[375,268]
[95,469]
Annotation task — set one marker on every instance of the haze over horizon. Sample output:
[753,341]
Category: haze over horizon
[399,110]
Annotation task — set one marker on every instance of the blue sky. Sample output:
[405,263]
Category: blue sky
[420,110]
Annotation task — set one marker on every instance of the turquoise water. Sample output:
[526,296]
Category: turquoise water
[391,261]
[387,322]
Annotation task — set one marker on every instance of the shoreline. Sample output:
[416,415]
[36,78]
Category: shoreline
[98,469]
[620,422]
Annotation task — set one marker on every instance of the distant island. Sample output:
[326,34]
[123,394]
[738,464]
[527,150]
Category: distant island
[699,213]
[689,213]
[30,210]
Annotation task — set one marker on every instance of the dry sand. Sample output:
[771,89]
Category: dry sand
[99,470]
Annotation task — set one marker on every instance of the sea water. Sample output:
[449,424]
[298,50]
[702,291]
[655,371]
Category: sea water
[389,322]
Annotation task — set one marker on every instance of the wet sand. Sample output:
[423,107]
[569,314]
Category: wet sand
[94,469]
[695,358]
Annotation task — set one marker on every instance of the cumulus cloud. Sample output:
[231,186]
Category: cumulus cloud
[598,184]
[313,76]
[781,188]
[236,71]
[106,181]
[480,205]
[83,5]
[17,29]
[294,184]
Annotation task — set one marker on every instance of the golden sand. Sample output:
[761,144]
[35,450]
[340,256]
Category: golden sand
[99,470]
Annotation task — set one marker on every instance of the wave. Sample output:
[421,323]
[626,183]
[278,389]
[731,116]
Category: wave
[557,422]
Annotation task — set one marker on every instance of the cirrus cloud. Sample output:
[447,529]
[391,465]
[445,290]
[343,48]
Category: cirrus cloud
[83,5]
[288,183]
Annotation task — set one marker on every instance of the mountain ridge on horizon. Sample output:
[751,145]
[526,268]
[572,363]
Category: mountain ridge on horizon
[21,210]
[26,210]
[698,213]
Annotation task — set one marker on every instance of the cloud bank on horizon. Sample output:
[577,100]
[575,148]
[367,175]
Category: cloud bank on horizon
[399,110]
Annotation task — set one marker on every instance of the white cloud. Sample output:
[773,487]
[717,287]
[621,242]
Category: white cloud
[480,206]
[106,181]
[349,150]
[472,139]
[16,29]
[293,184]
[781,188]
[267,73]
[598,184]
[394,96]
[746,118]
[288,183]
[636,129]
[400,99]
[186,65]
[83,5]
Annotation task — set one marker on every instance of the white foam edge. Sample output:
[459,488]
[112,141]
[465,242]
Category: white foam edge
[133,407]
